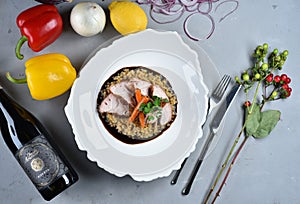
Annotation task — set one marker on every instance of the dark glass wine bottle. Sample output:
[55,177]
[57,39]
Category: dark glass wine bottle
[31,145]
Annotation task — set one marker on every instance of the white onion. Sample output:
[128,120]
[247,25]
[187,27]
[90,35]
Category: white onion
[87,18]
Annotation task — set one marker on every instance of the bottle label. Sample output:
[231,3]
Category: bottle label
[40,162]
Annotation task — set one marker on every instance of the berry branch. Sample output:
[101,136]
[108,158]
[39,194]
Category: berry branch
[257,123]
[229,169]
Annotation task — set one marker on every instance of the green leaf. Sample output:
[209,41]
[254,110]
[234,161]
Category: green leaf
[156,102]
[151,118]
[149,105]
[143,105]
[253,120]
[267,123]
[147,110]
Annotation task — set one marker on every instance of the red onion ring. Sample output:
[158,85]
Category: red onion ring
[188,3]
[209,7]
[191,8]
[153,12]
[233,10]
[185,27]
[175,9]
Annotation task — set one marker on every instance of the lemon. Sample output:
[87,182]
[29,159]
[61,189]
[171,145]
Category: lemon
[127,17]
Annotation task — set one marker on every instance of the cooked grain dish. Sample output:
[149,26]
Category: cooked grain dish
[123,112]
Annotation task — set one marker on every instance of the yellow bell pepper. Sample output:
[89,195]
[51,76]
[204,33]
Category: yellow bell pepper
[47,75]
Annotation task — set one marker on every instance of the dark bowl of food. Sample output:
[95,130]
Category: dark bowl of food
[136,104]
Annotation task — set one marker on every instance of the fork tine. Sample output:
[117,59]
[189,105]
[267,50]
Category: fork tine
[220,89]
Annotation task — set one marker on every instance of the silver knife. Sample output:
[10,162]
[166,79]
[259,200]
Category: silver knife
[214,127]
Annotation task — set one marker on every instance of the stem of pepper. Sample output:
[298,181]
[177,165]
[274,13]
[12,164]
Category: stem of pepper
[22,40]
[14,80]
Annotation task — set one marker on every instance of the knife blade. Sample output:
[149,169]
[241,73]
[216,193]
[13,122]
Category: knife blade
[214,127]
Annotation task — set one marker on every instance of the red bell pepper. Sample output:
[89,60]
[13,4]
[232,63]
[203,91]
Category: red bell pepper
[40,26]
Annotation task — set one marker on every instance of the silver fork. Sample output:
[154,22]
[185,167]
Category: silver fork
[214,100]
[218,93]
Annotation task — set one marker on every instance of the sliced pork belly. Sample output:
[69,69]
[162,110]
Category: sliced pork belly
[124,90]
[142,85]
[158,91]
[166,114]
[114,104]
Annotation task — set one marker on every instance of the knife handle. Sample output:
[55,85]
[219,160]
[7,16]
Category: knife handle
[187,188]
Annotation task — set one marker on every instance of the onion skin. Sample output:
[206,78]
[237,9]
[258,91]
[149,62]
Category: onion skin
[53,2]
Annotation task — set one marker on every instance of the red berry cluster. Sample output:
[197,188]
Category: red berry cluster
[280,82]
[265,64]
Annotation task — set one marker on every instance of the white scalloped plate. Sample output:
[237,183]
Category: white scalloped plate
[161,51]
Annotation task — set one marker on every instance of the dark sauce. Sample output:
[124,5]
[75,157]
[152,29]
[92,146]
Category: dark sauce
[112,130]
